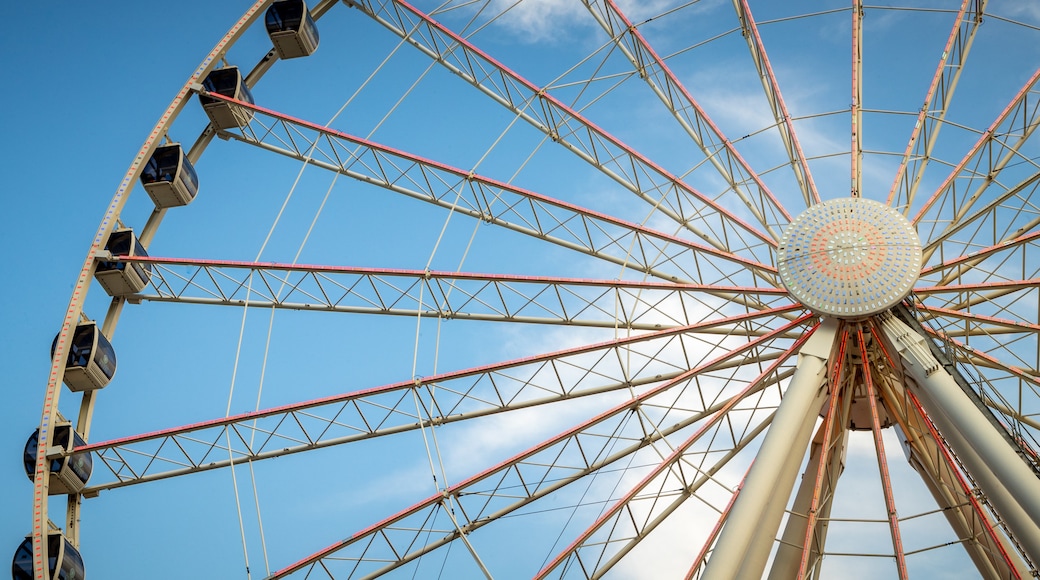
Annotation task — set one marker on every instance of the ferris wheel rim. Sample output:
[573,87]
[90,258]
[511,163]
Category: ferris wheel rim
[74,312]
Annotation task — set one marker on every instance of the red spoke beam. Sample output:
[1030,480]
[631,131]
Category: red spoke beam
[829,429]
[879,448]
[484,198]
[458,490]
[937,99]
[556,119]
[697,124]
[643,305]
[970,260]
[857,97]
[981,319]
[784,122]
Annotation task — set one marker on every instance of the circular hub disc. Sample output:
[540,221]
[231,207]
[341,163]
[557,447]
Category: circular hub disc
[849,257]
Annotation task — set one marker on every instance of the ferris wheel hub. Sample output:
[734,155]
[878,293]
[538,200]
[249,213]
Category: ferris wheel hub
[849,257]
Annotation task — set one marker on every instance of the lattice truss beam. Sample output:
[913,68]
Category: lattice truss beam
[932,115]
[720,152]
[771,90]
[488,297]
[643,424]
[634,362]
[657,495]
[699,214]
[985,200]
[466,193]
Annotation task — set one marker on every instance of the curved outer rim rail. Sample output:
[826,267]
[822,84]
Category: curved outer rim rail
[41,522]
[41,478]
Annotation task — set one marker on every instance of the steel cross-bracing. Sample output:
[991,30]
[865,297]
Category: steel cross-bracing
[492,297]
[628,244]
[709,138]
[718,387]
[592,370]
[699,214]
[638,512]
[546,467]
[940,94]
[994,161]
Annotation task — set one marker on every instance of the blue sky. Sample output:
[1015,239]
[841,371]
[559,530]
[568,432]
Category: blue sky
[85,89]
[85,85]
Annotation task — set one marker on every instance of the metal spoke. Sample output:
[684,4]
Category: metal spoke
[704,217]
[603,367]
[784,122]
[940,93]
[571,455]
[709,138]
[857,98]
[469,296]
[633,246]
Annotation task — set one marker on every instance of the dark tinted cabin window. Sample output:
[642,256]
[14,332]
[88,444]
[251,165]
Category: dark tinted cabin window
[29,456]
[119,243]
[222,81]
[144,270]
[189,177]
[61,436]
[71,564]
[282,16]
[227,82]
[163,164]
[105,357]
[82,464]
[53,551]
[21,568]
[82,345]
[167,161]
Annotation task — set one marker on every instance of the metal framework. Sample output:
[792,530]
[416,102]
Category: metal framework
[637,377]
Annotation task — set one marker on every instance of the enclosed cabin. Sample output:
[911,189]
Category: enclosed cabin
[120,278]
[92,360]
[229,82]
[63,559]
[70,472]
[291,28]
[169,177]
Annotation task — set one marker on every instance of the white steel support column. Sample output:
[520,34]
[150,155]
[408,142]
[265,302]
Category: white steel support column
[1009,484]
[772,475]
[757,554]
[1024,528]
[789,554]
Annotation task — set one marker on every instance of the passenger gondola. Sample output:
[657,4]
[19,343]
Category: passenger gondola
[122,278]
[291,28]
[63,559]
[169,178]
[92,360]
[69,474]
[226,81]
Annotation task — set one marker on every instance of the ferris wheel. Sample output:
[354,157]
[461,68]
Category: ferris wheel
[547,289]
